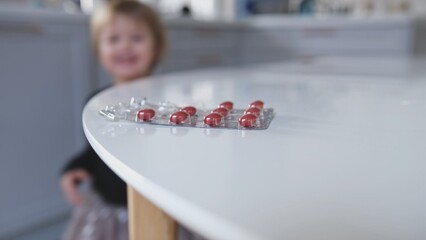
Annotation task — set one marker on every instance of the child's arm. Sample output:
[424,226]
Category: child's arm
[78,170]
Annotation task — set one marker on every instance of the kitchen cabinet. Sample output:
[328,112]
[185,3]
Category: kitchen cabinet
[289,38]
[201,46]
[45,73]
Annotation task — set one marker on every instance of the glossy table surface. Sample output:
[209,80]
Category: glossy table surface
[344,158]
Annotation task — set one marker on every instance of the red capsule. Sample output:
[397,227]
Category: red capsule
[222,111]
[228,105]
[178,117]
[146,114]
[190,110]
[213,119]
[257,104]
[253,110]
[248,120]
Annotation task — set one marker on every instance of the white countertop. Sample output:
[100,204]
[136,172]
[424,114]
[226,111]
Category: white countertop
[344,158]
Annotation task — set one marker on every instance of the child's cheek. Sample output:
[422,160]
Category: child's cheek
[145,55]
[107,54]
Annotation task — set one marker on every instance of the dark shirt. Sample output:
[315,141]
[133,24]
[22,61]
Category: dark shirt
[104,181]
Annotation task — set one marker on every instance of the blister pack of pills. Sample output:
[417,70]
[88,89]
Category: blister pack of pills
[254,117]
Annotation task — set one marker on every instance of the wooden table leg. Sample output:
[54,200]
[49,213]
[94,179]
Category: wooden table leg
[146,221]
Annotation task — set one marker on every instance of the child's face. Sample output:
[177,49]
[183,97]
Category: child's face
[126,48]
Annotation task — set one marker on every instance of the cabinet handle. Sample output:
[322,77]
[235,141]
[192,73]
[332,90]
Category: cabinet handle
[319,32]
[206,32]
[33,29]
[207,60]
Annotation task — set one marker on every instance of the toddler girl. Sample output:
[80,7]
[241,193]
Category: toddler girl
[129,41]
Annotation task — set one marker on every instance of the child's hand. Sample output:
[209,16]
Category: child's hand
[69,184]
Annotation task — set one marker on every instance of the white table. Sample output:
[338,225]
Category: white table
[344,158]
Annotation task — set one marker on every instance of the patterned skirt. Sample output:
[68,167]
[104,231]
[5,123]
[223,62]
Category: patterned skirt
[95,219]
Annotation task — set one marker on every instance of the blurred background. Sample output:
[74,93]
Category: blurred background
[47,70]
